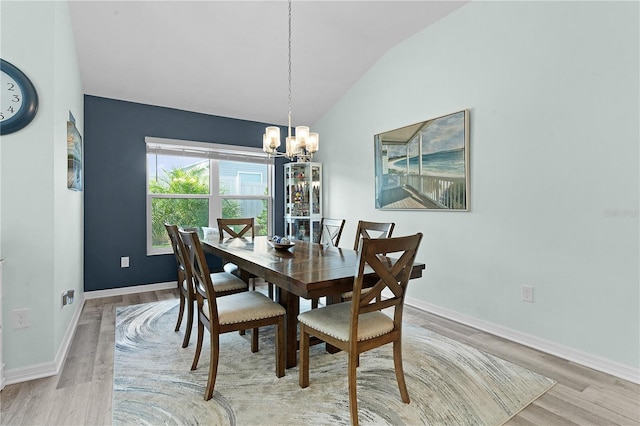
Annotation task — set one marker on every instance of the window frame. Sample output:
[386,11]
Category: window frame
[215,153]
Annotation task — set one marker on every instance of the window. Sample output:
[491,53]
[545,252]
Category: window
[191,184]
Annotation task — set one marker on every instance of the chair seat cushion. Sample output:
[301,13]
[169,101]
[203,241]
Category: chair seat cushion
[335,320]
[231,268]
[349,294]
[245,306]
[224,281]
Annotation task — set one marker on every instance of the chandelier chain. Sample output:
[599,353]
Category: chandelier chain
[289,62]
[305,143]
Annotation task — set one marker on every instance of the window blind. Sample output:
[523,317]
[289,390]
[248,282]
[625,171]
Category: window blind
[163,146]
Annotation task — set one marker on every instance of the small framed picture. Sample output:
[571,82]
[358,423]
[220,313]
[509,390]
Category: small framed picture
[74,157]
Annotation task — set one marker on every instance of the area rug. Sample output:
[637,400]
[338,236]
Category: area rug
[449,383]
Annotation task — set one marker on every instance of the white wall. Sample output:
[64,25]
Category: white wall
[41,220]
[553,92]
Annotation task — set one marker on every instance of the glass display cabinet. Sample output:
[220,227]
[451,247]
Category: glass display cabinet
[303,200]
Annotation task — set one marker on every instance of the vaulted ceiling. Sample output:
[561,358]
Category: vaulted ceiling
[230,58]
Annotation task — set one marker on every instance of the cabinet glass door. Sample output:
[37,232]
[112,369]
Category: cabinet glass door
[303,200]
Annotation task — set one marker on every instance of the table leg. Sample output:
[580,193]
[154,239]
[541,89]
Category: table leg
[291,303]
[244,276]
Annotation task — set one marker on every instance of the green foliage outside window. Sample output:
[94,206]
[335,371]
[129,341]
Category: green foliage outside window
[262,223]
[185,212]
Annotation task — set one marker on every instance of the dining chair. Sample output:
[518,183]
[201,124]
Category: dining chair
[225,283]
[239,228]
[367,229]
[330,233]
[236,312]
[359,325]
[235,228]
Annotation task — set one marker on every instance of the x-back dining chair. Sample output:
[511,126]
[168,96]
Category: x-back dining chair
[367,229]
[331,231]
[225,283]
[236,312]
[236,227]
[239,228]
[359,325]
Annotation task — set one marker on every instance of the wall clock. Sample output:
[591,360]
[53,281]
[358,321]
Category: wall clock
[18,99]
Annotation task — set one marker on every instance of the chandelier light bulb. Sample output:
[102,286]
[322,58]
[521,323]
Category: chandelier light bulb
[302,134]
[271,138]
[313,142]
[292,146]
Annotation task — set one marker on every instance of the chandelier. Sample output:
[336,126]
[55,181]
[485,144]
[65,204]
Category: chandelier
[301,146]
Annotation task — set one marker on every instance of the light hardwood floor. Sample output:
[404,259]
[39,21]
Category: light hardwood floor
[81,393]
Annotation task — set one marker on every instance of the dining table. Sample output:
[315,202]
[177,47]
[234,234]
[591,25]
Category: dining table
[305,270]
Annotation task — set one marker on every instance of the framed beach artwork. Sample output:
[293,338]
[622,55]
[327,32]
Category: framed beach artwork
[424,166]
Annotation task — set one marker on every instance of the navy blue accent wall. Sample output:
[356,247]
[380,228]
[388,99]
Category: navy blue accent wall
[115,179]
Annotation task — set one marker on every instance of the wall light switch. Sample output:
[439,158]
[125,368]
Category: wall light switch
[124,262]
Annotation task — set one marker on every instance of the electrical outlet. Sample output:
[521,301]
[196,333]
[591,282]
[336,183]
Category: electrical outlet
[67,297]
[124,262]
[527,293]
[20,318]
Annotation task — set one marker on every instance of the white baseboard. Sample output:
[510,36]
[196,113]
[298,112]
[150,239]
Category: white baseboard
[588,360]
[46,369]
[622,371]
[129,290]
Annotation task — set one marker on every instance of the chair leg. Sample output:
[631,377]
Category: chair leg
[280,348]
[255,334]
[314,303]
[187,331]
[397,360]
[196,356]
[213,366]
[181,312]
[353,397]
[303,380]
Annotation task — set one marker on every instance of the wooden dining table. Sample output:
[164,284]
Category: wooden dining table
[306,270]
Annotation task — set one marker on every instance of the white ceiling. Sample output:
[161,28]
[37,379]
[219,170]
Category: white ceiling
[229,58]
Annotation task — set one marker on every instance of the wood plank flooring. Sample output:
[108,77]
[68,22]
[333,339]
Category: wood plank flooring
[81,393]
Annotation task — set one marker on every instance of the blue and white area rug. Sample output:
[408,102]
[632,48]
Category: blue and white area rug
[449,383]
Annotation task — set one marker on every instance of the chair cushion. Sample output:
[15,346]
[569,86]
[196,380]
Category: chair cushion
[245,306]
[224,281]
[349,294]
[335,320]
[231,268]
